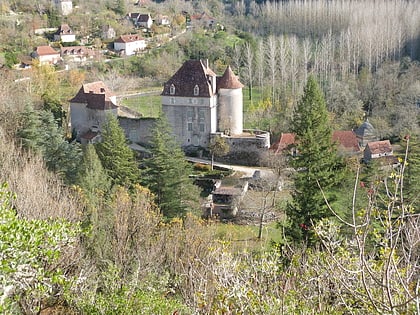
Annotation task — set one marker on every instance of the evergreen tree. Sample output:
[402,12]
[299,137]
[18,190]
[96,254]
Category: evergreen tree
[167,174]
[116,156]
[29,133]
[92,177]
[412,173]
[60,156]
[316,162]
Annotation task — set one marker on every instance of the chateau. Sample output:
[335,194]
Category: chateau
[200,105]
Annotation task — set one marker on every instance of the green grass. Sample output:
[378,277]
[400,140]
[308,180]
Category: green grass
[147,105]
[245,237]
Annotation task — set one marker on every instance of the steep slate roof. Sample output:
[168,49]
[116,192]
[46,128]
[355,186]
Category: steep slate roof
[128,38]
[191,73]
[365,130]
[45,51]
[347,139]
[64,29]
[143,18]
[229,80]
[96,95]
[380,147]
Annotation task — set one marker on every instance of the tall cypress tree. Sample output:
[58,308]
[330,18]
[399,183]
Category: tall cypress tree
[412,174]
[316,162]
[167,174]
[116,156]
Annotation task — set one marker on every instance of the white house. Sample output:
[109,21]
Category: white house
[144,20]
[64,34]
[129,44]
[46,55]
[64,7]
[162,20]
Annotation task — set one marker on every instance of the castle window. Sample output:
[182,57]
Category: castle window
[189,126]
[202,127]
[172,89]
[190,114]
[201,115]
[172,100]
[196,90]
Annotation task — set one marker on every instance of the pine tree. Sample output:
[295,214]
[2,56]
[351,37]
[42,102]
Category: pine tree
[60,156]
[29,133]
[167,174]
[412,173]
[316,163]
[116,156]
[92,177]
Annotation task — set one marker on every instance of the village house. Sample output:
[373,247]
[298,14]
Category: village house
[64,34]
[162,20]
[63,7]
[202,20]
[46,55]
[346,140]
[143,21]
[77,54]
[129,44]
[226,199]
[108,32]
[377,149]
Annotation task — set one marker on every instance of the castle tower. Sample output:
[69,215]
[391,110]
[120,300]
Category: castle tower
[230,109]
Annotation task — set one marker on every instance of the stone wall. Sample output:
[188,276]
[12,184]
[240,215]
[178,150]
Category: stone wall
[138,130]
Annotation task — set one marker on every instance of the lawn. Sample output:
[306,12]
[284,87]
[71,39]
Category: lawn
[149,105]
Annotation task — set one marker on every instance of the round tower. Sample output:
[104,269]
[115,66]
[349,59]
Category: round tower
[230,106]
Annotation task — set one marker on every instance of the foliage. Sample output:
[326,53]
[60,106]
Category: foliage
[29,251]
[317,164]
[167,173]
[218,148]
[116,156]
[40,133]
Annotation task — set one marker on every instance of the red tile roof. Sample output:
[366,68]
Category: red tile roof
[77,51]
[64,29]
[380,147]
[128,38]
[346,139]
[286,139]
[96,95]
[45,51]
[229,80]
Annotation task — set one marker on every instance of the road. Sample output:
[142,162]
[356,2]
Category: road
[248,171]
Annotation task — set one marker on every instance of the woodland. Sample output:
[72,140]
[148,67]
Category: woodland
[95,230]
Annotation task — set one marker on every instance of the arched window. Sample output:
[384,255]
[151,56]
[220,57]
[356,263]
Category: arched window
[196,90]
[172,89]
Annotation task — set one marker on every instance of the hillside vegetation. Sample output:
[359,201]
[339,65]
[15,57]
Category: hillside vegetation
[96,230]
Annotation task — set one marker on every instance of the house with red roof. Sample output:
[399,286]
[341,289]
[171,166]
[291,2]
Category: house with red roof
[64,34]
[377,149]
[46,55]
[89,110]
[129,44]
[78,54]
[347,143]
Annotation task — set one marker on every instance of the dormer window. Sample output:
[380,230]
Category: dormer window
[196,90]
[172,89]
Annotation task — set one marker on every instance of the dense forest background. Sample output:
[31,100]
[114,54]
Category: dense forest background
[85,231]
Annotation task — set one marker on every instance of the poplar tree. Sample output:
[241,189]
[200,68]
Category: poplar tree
[116,156]
[317,165]
[167,173]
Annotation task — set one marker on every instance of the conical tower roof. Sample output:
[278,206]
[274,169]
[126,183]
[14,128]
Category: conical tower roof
[365,130]
[229,80]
